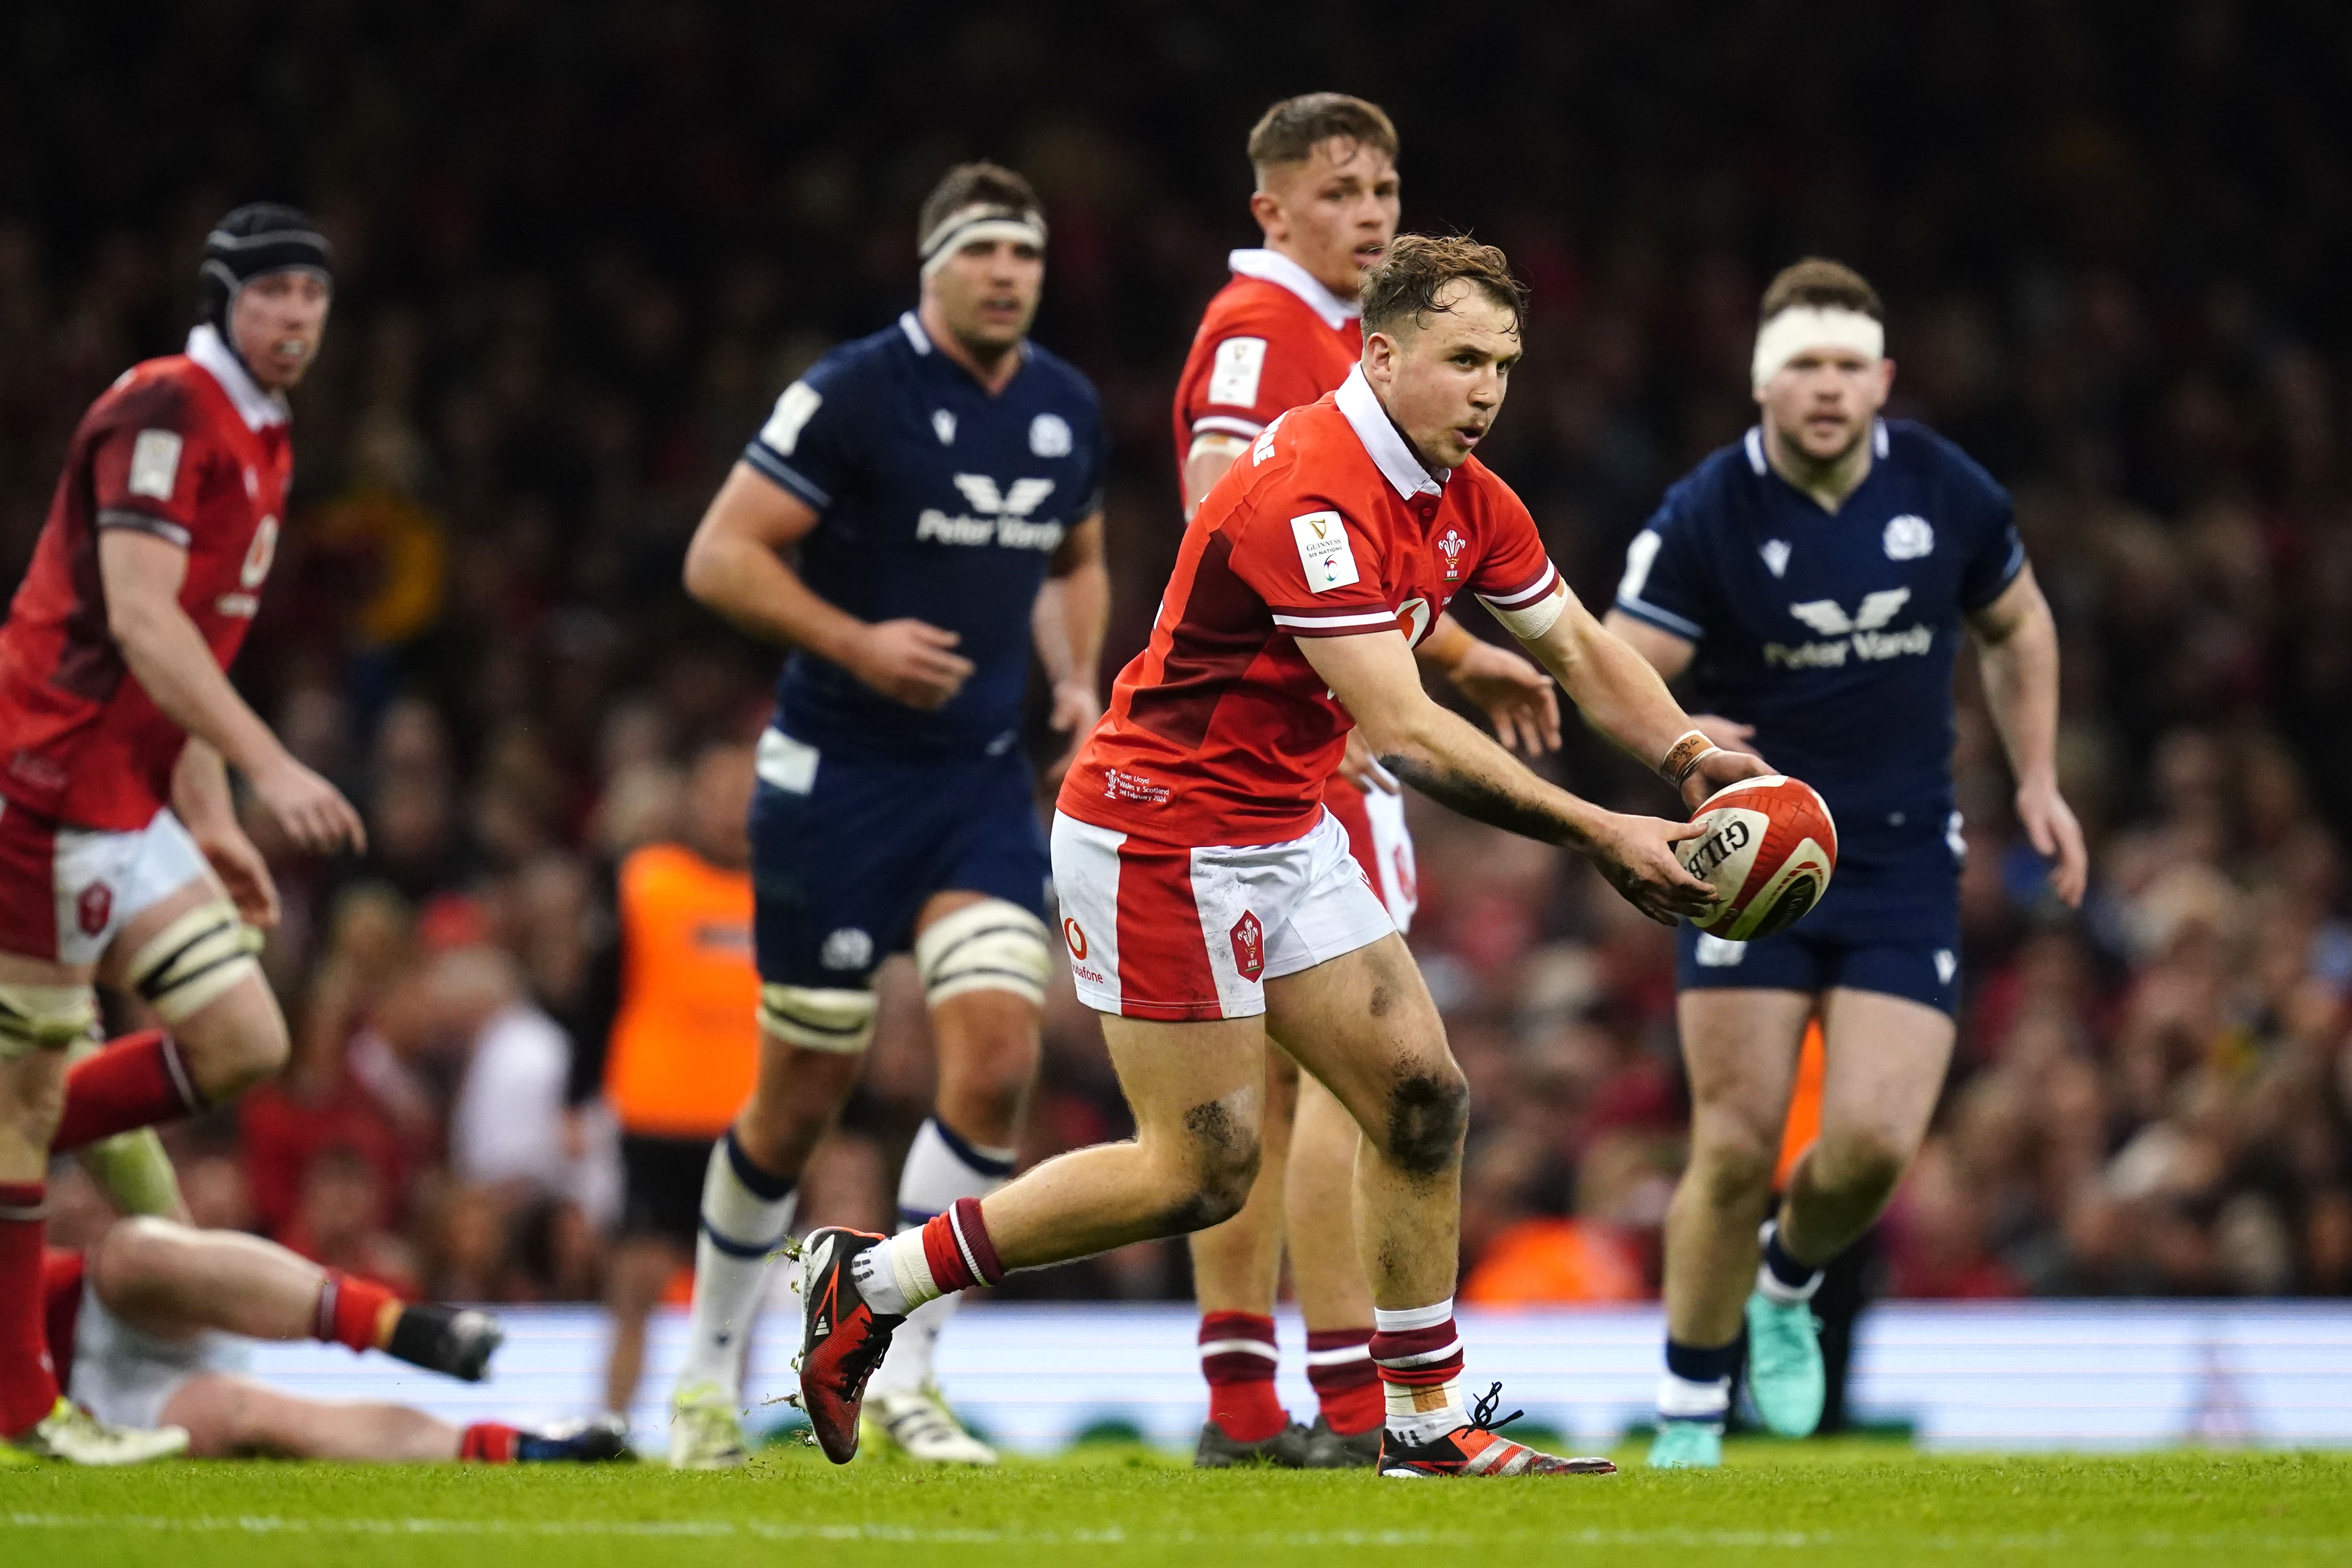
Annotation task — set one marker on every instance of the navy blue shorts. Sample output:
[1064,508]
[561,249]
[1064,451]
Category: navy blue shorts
[1920,961]
[845,849]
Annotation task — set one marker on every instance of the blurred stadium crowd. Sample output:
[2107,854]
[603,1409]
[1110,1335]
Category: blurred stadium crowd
[581,253]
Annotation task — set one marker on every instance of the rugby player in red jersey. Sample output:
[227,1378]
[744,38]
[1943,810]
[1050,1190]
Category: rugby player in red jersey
[1282,334]
[1209,898]
[121,858]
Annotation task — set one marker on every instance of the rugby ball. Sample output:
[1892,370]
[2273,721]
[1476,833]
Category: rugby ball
[1768,849]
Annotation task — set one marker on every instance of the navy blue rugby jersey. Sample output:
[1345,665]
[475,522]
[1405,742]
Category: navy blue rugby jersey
[936,501]
[1834,634]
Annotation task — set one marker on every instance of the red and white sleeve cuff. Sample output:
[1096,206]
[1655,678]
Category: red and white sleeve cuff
[1337,621]
[1226,425]
[1519,598]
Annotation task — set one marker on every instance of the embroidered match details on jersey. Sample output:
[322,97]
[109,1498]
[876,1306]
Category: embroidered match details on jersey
[937,501]
[1337,532]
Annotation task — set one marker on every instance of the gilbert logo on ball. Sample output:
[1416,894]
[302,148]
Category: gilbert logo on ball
[1768,849]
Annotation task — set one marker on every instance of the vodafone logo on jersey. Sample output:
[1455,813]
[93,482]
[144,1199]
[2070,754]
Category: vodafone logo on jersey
[1077,938]
[1249,946]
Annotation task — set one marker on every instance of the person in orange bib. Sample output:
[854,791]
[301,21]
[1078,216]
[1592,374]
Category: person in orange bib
[684,1045]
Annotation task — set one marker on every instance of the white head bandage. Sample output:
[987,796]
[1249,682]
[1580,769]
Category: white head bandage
[1802,327]
[980,220]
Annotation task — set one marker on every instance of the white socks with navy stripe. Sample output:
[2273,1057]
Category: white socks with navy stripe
[941,1168]
[1780,1276]
[746,1215]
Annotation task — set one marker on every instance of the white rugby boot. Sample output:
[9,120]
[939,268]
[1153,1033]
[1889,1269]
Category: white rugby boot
[73,1435]
[705,1432]
[918,1425]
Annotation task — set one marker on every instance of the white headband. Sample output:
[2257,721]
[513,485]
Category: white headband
[980,221]
[1802,327]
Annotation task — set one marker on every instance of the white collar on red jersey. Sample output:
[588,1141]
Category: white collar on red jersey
[1390,449]
[257,407]
[1273,267]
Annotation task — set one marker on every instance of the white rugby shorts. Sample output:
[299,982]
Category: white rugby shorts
[65,891]
[1182,934]
[1383,845]
[125,1375]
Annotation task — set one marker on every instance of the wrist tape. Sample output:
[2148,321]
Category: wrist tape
[1683,758]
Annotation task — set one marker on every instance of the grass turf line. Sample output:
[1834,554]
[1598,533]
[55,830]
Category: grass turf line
[1813,1504]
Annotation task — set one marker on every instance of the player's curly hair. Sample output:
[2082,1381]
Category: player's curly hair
[1291,131]
[1416,269]
[1821,283]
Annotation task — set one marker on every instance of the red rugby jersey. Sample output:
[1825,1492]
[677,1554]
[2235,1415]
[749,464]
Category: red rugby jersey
[1220,732]
[187,449]
[1273,337]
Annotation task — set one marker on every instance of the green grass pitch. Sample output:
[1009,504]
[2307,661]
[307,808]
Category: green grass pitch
[1826,1504]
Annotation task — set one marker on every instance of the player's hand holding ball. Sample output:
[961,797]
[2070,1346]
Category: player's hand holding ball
[1718,770]
[912,662]
[1648,860]
[1640,858]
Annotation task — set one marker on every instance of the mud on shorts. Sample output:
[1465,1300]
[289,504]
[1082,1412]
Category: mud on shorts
[1183,934]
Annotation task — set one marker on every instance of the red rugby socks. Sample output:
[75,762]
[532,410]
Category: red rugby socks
[1237,1358]
[135,1081]
[353,1311]
[28,1382]
[490,1443]
[1346,1384]
[950,1252]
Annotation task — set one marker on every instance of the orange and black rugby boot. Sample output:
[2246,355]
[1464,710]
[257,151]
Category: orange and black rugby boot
[842,1339]
[1480,1450]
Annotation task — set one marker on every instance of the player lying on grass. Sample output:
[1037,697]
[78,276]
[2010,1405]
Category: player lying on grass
[144,1329]
[1209,901]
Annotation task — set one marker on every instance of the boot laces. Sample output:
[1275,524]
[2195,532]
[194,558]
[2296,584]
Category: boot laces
[1482,1412]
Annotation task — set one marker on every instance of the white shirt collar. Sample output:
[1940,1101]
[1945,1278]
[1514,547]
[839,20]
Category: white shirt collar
[1273,267]
[1390,451]
[259,409]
